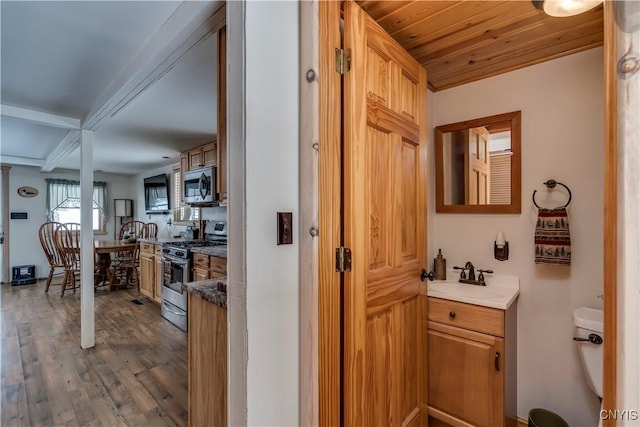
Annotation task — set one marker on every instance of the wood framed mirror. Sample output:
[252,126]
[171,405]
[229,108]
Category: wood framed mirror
[478,165]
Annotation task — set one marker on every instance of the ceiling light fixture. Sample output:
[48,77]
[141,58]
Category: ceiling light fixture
[562,8]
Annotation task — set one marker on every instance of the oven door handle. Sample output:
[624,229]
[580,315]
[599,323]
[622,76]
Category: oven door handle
[172,311]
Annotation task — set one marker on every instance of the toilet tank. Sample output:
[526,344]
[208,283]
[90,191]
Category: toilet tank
[590,321]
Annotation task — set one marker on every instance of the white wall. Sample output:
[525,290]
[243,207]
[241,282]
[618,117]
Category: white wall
[562,104]
[271,186]
[24,245]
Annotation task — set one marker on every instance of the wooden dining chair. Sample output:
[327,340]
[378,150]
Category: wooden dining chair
[126,271]
[150,231]
[47,240]
[136,227]
[67,240]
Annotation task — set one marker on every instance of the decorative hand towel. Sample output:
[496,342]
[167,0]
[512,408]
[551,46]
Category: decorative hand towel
[552,239]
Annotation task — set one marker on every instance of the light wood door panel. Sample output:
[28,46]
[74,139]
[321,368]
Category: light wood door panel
[466,376]
[385,307]
[208,363]
[147,275]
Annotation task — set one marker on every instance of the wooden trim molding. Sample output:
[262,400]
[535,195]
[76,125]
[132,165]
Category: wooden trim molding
[308,255]
[5,223]
[610,214]
[329,205]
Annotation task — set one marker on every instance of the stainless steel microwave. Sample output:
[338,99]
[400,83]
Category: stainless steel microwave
[199,186]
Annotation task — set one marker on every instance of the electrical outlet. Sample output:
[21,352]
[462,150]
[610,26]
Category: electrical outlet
[285,228]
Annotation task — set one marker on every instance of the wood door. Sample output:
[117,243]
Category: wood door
[200,274]
[195,158]
[209,154]
[147,275]
[466,376]
[385,215]
[478,173]
[208,364]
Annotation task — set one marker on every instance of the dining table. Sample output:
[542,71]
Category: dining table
[104,249]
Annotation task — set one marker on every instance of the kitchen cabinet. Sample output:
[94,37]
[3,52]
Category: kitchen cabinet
[200,267]
[207,342]
[208,267]
[472,364]
[205,155]
[184,163]
[151,271]
[217,267]
[147,274]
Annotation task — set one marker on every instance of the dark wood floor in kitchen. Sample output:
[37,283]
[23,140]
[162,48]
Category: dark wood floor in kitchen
[135,375]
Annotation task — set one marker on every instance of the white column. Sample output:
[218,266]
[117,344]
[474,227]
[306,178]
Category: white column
[87,323]
[237,352]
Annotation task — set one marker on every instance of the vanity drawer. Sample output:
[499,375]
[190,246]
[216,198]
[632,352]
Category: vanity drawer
[468,316]
[201,260]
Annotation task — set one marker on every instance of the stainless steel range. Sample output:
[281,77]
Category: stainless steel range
[177,260]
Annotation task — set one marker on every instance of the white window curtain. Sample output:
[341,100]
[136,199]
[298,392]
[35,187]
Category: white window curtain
[60,190]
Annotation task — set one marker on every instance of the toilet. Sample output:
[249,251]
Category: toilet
[589,322]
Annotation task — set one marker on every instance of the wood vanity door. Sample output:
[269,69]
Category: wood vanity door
[385,169]
[466,376]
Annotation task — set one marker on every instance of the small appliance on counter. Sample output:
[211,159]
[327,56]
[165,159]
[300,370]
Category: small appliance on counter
[192,233]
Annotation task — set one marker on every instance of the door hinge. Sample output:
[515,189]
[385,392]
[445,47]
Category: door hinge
[343,60]
[343,259]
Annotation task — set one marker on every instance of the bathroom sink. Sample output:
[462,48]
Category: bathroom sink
[500,291]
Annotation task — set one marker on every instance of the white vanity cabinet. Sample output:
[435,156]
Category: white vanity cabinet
[472,364]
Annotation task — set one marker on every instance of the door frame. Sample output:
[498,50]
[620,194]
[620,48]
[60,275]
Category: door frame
[320,207]
[610,372]
[320,391]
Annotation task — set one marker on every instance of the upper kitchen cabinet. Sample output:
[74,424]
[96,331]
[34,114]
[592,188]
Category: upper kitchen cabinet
[214,153]
[205,155]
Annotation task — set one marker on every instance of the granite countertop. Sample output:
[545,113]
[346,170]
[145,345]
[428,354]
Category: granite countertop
[208,290]
[216,251]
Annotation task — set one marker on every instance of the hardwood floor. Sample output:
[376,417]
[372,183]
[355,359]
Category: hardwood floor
[135,375]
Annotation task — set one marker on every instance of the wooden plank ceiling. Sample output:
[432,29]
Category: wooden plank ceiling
[462,41]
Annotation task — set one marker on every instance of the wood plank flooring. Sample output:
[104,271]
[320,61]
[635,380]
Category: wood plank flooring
[135,375]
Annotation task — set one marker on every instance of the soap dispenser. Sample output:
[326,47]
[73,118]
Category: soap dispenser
[440,266]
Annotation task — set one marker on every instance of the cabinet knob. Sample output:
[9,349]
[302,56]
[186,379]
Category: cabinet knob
[452,314]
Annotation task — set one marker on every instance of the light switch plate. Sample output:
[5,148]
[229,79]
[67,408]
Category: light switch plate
[285,228]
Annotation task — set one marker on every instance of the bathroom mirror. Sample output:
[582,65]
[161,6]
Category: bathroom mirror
[478,165]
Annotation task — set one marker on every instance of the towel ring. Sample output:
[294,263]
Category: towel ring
[552,184]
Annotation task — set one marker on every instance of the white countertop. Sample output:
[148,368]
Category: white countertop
[501,290]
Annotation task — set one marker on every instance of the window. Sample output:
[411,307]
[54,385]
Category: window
[182,213]
[63,202]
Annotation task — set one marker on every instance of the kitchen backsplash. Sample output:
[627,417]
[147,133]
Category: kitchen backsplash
[215,214]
